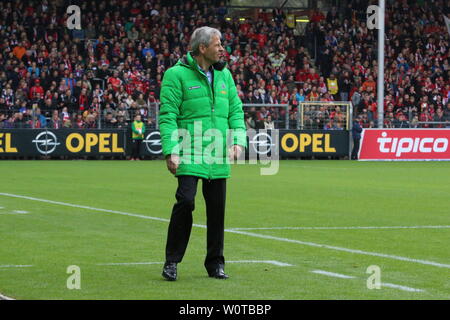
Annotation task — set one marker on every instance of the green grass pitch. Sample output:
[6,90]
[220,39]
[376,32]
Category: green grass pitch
[307,217]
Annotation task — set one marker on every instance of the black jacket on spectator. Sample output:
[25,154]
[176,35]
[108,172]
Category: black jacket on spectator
[103,74]
[69,101]
[77,91]
[326,63]
[107,124]
[12,75]
[356,130]
[400,124]
[344,84]
[55,124]
[19,124]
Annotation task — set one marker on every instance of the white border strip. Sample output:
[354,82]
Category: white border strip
[343,228]
[250,234]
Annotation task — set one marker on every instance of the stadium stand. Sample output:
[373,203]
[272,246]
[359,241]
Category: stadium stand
[112,68]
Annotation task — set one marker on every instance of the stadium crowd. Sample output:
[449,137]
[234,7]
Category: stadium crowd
[111,69]
[417,69]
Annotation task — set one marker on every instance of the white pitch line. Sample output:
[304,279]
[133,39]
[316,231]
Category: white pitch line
[343,228]
[274,262]
[367,253]
[327,168]
[383,284]
[332,274]
[16,266]
[83,207]
[15,212]
[127,263]
[20,211]
[250,234]
[404,288]
[10,213]
[3,297]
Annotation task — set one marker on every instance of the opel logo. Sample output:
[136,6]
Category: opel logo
[262,143]
[153,142]
[46,142]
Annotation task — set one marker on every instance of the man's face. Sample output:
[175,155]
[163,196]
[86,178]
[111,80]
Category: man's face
[214,51]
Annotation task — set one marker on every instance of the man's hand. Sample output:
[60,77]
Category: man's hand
[235,152]
[173,161]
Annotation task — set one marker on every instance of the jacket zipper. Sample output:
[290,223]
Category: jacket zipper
[211,87]
[212,112]
[212,90]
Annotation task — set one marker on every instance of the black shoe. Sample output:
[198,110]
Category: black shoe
[218,273]
[170,271]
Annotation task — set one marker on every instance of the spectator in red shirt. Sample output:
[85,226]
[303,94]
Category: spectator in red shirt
[425,117]
[313,76]
[115,81]
[36,89]
[317,16]
[369,85]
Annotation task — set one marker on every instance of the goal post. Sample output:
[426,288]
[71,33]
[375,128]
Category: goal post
[326,115]
[319,115]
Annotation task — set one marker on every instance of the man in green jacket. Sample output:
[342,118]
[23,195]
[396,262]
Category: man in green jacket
[199,107]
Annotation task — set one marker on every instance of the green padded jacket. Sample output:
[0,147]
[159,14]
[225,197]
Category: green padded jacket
[189,101]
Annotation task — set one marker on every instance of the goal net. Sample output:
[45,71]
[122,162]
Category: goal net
[324,115]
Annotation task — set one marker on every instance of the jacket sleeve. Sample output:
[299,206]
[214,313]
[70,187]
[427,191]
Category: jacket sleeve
[171,99]
[236,114]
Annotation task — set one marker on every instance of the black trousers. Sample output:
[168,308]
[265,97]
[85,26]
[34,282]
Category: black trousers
[214,193]
[355,149]
[136,148]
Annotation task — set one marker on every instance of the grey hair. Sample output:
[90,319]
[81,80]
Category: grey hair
[203,36]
